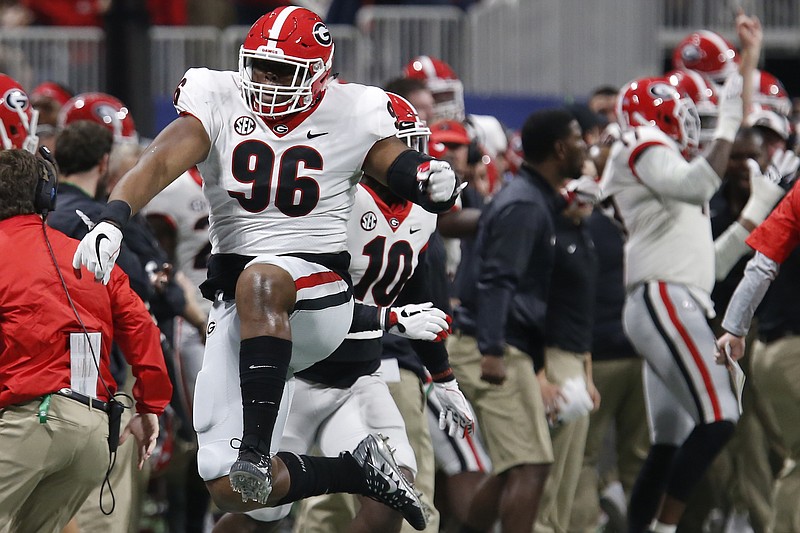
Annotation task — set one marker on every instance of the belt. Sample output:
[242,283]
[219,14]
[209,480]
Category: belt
[85,400]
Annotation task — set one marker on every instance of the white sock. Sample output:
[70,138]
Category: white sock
[658,527]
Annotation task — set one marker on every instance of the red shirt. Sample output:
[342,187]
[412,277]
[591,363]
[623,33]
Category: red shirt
[36,320]
[779,234]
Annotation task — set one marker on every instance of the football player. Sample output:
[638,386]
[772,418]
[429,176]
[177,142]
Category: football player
[662,191]
[343,398]
[280,151]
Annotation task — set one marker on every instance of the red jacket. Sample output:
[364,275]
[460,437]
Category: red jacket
[779,234]
[36,320]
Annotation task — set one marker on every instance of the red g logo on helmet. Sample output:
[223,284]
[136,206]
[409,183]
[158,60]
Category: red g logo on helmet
[15,99]
[321,34]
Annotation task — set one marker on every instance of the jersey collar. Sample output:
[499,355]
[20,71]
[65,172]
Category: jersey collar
[282,126]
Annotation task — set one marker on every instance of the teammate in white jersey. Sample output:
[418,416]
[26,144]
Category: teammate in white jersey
[662,196]
[280,151]
[179,217]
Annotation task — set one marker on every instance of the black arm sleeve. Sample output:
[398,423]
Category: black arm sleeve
[365,318]
[402,180]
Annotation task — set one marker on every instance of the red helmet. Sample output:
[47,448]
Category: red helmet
[654,102]
[703,93]
[706,52]
[17,119]
[298,40]
[441,80]
[769,94]
[103,109]
[410,128]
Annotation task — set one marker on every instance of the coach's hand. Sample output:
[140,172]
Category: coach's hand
[144,428]
[493,369]
[456,415]
[438,180]
[729,344]
[98,251]
[422,322]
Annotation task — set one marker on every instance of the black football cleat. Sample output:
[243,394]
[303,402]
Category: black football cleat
[251,475]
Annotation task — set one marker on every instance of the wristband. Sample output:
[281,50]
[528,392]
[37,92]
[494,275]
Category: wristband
[444,376]
[118,212]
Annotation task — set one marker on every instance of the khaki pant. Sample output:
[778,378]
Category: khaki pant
[619,382]
[333,512]
[511,415]
[569,441]
[47,470]
[776,374]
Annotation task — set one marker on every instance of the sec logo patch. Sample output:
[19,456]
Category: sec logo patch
[368,221]
[244,125]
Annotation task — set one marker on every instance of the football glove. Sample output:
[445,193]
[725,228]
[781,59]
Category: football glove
[98,251]
[437,180]
[765,192]
[456,415]
[584,190]
[416,321]
[782,168]
[731,109]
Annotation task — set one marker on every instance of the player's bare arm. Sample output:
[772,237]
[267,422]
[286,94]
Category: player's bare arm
[178,147]
[381,156]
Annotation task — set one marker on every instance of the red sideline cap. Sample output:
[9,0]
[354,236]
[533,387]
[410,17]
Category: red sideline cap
[449,132]
[52,90]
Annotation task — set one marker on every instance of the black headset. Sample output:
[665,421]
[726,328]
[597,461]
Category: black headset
[44,199]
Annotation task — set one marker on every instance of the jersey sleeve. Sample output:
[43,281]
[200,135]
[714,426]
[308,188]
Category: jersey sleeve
[667,173]
[779,234]
[376,110]
[195,96]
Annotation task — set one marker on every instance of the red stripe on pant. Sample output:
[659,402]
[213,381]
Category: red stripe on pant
[318,278]
[687,340]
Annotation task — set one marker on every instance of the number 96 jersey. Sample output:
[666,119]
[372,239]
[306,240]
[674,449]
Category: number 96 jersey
[286,185]
[385,244]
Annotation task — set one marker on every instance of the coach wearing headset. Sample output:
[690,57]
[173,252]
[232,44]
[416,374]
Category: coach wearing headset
[55,333]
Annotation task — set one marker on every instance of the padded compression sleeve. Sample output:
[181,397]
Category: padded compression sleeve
[402,180]
[729,248]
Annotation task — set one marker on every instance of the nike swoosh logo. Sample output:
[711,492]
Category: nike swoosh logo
[97,244]
[392,484]
[255,367]
[315,135]
[412,231]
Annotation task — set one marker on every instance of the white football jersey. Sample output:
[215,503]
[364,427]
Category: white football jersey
[669,234]
[385,243]
[286,186]
[183,204]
